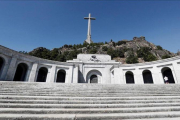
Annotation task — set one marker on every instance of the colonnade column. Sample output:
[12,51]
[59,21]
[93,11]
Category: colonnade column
[176,67]
[33,73]
[4,71]
[12,69]
[157,75]
[75,73]
[106,75]
[112,77]
[138,78]
[121,77]
[69,75]
[51,79]
[118,75]
[81,78]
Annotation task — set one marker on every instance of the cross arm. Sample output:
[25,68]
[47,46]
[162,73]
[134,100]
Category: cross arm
[90,18]
[93,18]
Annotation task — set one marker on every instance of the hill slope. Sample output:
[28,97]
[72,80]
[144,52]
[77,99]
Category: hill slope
[125,51]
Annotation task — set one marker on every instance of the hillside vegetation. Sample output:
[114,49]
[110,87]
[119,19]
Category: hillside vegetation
[125,51]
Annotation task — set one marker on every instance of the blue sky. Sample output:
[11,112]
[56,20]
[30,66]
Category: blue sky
[25,25]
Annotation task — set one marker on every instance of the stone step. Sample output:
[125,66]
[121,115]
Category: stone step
[129,105]
[95,95]
[94,92]
[88,98]
[49,86]
[42,101]
[87,101]
[89,95]
[177,118]
[117,116]
[88,91]
[105,116]
[86,110]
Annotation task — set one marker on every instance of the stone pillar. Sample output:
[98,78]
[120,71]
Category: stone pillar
[69,75]
[122,79]
[75,73]
[51,79]
[118,75]
[12,69]
[138,78]
[176,67]
[81,78]
[4,71]
[106,75]
[28,74]
[176,72]
[112,77]
[33,72]
[157,75]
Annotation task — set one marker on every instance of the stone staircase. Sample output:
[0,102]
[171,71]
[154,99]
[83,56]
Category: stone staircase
[53,101]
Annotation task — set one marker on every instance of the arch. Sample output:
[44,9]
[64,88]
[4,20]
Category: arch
[93,76]
[93,79]
[2,62]
[21,72]
[129,77]
[42,74]
[61,76]
[166,71]
[147,77]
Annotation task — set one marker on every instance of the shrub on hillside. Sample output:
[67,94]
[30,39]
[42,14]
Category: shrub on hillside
[104,48]
[41,52]
[93,51]
[115,53]
[144,52]
[112,53]
[159,47]
[121,42]
[165,56]
[131,58]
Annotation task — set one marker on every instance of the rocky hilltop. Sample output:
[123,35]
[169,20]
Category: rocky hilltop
[125,51]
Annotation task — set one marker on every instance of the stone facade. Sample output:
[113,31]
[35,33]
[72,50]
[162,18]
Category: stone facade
[86,68]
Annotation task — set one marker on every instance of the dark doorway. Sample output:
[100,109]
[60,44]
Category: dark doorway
[42,75]
[129,77]
[93,79]
[21,72]
[168,73]
[147,76]
[61,75]
[1,65]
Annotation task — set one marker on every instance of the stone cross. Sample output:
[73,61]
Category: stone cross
[88,40]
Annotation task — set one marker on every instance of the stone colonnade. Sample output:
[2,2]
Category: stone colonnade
[15,66]
[152,73]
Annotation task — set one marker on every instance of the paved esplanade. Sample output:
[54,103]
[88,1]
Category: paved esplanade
[88,40]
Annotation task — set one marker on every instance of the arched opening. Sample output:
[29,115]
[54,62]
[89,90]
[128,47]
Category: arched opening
[129,77]
[1,64]
[94,79]
[61,76]
[147,76]
[42,75]
[167,74]
[94,76]
[21,72]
